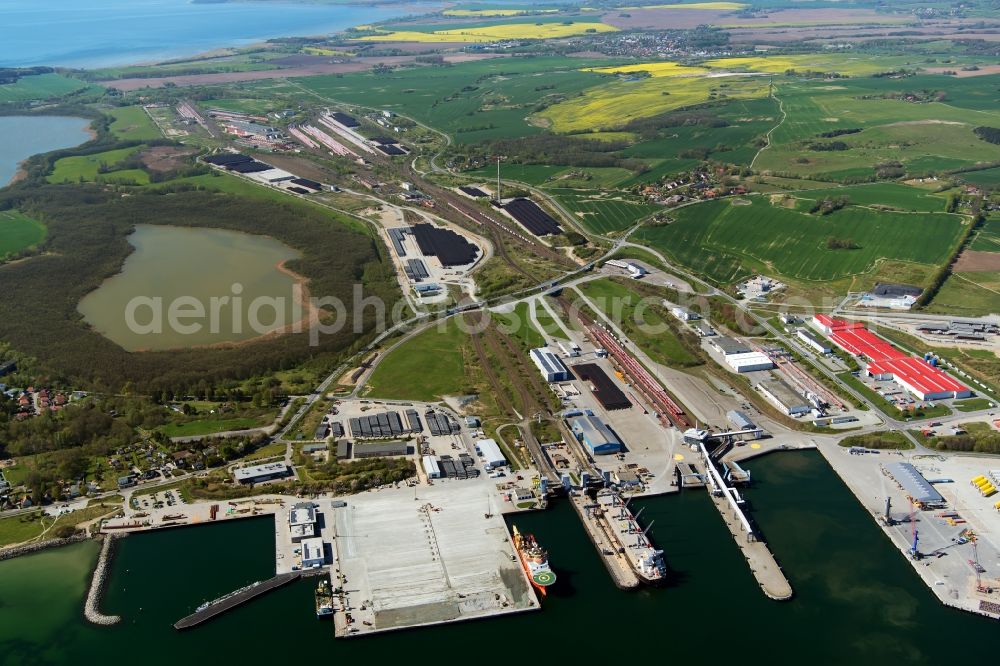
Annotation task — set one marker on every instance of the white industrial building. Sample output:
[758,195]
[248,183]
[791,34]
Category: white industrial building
[813,341]
[741,422]
[749,362]
[683,313]
[634,270]
[431,467]
[302,521]
[549,365]
[784,397]
[261,473]
[490,451]
[312,553]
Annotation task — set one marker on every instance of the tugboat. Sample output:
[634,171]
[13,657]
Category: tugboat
[324,599]
[535,561]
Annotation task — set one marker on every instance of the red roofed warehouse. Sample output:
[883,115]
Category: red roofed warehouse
[888,363]
[919,378]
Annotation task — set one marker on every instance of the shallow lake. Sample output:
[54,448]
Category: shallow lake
[24,136]
[185,287]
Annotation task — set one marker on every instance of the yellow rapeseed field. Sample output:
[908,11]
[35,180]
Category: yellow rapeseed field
[493,33]
[654,69]
[614,104]
[845,65]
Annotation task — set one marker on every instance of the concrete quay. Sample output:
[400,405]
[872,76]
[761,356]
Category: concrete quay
[607,545]
[423,556]
[764,567]
[945,563]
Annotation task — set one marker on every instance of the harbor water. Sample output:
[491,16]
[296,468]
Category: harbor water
[856,598]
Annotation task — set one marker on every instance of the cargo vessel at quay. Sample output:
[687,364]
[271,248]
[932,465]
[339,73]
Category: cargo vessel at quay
[535,561]
[324,599]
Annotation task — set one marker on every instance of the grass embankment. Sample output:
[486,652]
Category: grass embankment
[38,526]
[644,320]
[972,404]
[881,440]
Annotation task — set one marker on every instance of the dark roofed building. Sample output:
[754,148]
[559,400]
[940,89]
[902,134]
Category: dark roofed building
[896,290]
[344,119]
[381,449]
[473,191]
[605,390]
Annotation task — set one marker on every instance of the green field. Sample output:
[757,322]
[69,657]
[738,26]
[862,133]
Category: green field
[887,195]
[209,426]
[927,135]
[983,177]
[969,293]
[601,213]
[644,325]
[88,168]
[724,242]
[41,86]
[426,367]
[987,237]
[471,101]
[132,123]
[18,232]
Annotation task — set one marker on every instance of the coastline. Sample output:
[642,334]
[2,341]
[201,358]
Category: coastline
[20,173]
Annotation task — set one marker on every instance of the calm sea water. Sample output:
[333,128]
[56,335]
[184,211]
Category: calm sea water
[857,600]
[103,33]
[23,136]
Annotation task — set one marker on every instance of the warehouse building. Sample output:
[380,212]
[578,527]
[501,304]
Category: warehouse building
[490,451]
[914,483]
[261,473]
[886,362]
[683,313]
[919,378]
[749,362]
[431,467]
[727,345]
[814,342]
[740,421]
[312,553]
[605,390]
[549,365]
[593,433]
[784,397]
[302,521]
[381,450]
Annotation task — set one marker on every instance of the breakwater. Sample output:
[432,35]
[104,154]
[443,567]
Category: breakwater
[91,608]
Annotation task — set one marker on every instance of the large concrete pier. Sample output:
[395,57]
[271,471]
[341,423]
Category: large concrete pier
[235,600]
[758,556]
[607,545]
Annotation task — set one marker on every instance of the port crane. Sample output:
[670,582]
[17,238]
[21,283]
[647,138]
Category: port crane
[914,534]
